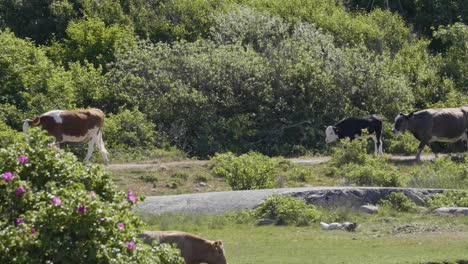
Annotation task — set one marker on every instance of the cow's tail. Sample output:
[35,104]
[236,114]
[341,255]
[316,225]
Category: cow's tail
[378,117]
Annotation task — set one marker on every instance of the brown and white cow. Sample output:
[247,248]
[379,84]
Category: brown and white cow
[194,249]
[434,125]
[73,126]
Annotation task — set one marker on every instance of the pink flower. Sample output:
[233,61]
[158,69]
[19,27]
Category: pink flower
[130,244]
[19,221]
[33,231]
[102,219]
[81,208]
[132,198]
[50,144]
[56,201]
[8,175]
[22,159]
[57,149]
[93,194]
[120,225]
[20,191]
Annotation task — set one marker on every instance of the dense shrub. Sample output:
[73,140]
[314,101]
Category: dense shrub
[130,129]
[440,173]
[451,198]
[399,202]
[351,161]
[454,37]
[249,171]
[7,135]
[289,210]
[55,209]
[29,80]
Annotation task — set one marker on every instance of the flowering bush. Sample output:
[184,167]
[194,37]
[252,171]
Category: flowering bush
[53,209]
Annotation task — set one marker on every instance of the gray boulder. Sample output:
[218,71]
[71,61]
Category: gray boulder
[369,209]
[451,211]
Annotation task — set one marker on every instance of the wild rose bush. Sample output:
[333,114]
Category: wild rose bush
[54,209]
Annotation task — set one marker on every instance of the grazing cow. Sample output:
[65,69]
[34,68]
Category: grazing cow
[73,126]
[352,128]
[434,125]
[194,249]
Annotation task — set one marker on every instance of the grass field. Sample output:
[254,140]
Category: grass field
[397,239]
[383,238]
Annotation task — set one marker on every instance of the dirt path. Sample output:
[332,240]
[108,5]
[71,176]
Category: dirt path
[310,160]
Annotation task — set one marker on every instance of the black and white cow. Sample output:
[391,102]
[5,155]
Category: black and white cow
[434,125]
[352,128]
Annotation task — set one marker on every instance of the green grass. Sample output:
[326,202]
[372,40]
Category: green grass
[406,238]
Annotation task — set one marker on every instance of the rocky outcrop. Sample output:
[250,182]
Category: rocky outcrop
[451,211]
[355,197]
[330,197]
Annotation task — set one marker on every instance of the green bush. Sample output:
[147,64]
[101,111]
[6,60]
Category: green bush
[289,210]
[399,202]
[131,129]
[55,209]
[350,152]
[249,171]
[352,162]
[7,135]
[440,173]
[450,198]
[375,172]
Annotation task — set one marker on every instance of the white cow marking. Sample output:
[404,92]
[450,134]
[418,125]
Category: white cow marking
[331,136]
[56,115]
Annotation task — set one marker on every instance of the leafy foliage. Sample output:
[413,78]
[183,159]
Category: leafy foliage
[399,202]
[441,173]
[232,75]
[450,198]
[289,210]
[352,162]
[249,171]
[55,209]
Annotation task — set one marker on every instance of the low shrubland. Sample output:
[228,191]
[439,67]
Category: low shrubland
[289,210]
[441,173]
[54,209]
[399,202]
[352,162]
[256,171]
[449,198]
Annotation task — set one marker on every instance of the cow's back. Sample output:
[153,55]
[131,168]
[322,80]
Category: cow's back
[79,122]
[439,123]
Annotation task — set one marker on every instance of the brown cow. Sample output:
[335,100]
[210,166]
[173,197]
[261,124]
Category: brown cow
[194,249]
[434,125]
[73,126]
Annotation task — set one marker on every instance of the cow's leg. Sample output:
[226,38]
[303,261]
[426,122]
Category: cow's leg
[378,137]
[91,143]
[422,144]
[377,144]
[102,148]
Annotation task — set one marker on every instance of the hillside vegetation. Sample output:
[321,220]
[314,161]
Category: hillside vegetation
[208,76]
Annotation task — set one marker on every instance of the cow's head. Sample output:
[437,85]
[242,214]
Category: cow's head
[30,123]
[330,134]
[401,122]
[216,254]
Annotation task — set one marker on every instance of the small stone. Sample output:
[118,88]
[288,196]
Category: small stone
[266,221]
[202,184]
[369,209]
[197,189]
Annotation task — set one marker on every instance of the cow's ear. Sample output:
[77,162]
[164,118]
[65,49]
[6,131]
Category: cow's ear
[217,244]
[36,121]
